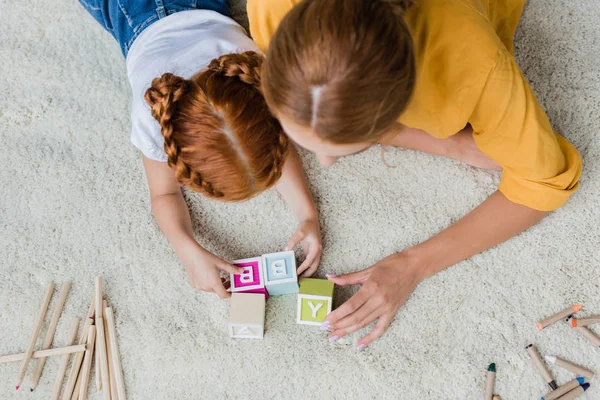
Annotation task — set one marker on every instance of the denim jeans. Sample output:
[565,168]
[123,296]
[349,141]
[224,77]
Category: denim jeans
[126,19]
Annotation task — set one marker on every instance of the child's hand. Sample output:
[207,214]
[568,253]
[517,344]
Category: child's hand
[203,269]
[309,235]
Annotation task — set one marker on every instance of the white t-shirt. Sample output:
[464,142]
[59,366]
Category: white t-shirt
[182,43]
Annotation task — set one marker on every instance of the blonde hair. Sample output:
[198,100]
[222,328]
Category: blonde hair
[345,68]
[220,137]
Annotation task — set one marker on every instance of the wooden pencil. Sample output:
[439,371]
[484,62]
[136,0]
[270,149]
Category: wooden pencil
[87,363]
[114,348]
[98,313]
[75,394]
[111,372]
[59,351]
[75,368]
[101,348]
[58,308]
[101,359]
[97,364]
[34,336]
[64,362]
[92,310]
[98,298]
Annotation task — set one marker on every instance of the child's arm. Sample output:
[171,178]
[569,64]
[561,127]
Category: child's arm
[387,284]
[294,189]
[171,213]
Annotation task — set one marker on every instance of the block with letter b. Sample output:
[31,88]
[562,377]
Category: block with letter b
[279,270]
[314,301]
[247,316]
[251,280]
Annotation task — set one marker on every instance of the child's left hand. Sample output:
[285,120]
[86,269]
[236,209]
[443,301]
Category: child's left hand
[309,235]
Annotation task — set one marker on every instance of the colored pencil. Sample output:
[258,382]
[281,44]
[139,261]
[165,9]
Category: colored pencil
[114,347]
[59,351]
[558,316]
[34,336]
[594,319]
[101,339]
[489,381]
[569,366]
[98,314]
[64,362]
[76,367]
[111,371]
[58,308]
[564,389]
[87,363]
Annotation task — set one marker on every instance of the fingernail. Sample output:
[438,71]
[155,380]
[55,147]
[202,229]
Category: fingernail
[333,338]
[330,275]
[325,328]
[286,248]
[360,347]
[326,323]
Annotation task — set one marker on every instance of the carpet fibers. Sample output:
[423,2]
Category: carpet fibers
[74,204]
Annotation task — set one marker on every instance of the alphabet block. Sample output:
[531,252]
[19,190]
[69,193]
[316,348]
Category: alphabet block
[279,271]
[251,280]
[247,316]
[314,301]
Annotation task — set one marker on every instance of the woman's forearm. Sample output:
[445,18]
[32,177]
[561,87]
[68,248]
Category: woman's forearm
[293,187]
[173,217]
[494,221]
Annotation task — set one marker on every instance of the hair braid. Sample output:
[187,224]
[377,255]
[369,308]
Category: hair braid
[163,97]
[246,66]
[279,153]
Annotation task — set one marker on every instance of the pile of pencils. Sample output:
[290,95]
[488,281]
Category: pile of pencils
[98,339]
[575,387]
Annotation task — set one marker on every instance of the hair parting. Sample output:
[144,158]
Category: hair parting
[219,135]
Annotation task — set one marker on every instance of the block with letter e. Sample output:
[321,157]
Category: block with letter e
[315,300]
[279,270]
[251,280]
[247,316]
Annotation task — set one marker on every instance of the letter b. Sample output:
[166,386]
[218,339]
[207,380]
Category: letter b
[246,276]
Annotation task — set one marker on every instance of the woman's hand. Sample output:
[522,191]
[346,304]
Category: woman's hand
[385,287]
[204,270]
[309,235]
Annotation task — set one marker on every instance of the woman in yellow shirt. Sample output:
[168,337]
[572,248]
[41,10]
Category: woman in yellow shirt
[437,76]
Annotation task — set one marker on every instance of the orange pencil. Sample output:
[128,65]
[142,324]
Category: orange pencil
[575,322]
[558,316]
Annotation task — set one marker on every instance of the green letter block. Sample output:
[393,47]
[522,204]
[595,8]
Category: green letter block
[314,301]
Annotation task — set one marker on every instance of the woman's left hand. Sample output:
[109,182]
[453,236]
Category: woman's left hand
[385,287]
[309,235]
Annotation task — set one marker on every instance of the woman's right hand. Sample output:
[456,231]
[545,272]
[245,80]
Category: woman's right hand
[204,270]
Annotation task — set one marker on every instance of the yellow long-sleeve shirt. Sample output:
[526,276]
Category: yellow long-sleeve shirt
[466,74]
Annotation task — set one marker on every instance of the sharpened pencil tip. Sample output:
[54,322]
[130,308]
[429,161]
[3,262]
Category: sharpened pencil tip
[17,387]
[31,389]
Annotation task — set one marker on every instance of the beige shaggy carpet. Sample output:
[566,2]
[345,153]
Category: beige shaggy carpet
[74,204]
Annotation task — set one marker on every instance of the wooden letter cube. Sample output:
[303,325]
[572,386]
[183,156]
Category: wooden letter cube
[247,316]
[252,279]
[279,271]
[314,301]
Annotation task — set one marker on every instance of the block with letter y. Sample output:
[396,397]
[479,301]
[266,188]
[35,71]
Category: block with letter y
[315,301]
